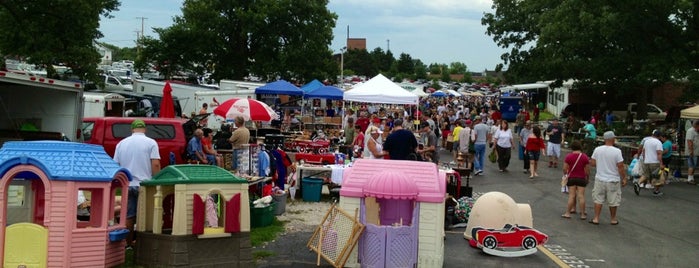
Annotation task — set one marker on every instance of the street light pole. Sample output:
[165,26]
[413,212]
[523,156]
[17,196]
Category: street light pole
[342,67]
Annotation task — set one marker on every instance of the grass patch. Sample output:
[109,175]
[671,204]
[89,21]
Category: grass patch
[265,234]
[129,261]
[262,254]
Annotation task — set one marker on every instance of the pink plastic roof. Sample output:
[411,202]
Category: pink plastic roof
[391,185]
[428,181]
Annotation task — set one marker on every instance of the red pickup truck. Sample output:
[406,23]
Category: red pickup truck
[169,133]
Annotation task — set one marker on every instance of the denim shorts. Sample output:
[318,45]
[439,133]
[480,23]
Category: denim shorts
[692,161]
[133,202]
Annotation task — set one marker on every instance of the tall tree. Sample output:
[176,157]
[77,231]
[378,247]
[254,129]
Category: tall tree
[361,62]
[50,32]
[405,64]
[269,38]
[457,68]
[623,46]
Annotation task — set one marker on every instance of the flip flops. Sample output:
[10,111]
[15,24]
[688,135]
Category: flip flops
[595,223]
[615,223]
[565,216]
[583,216]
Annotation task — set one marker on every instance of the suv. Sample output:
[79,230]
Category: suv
[171,134]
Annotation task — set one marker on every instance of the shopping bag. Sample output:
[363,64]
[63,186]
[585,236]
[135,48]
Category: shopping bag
[564,184]
[493,157]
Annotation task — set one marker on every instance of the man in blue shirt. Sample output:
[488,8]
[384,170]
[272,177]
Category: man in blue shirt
[401,143]
[194,148]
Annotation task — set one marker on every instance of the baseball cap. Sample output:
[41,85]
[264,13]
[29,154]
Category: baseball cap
[468,121]
[478,117]
[609,135]
[424,125]
[138,123]
[657,133]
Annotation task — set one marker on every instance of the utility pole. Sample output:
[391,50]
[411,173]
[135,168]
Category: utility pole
[388,45]
[342,67]
[138,40]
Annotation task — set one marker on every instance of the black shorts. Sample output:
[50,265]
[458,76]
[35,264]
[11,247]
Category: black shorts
[534,155]
[581,182]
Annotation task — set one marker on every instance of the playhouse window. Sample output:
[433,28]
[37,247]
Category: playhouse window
[88,215]
[214,205]
[381,211]
[114,209]
[16,196]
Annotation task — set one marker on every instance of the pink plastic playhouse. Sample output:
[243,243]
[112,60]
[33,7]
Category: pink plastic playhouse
[402,205]
[57,205]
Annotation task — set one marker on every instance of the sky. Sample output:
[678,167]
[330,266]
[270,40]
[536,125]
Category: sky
[434,31]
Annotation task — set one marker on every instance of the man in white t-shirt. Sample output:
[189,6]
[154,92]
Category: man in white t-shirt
[610,172]
[652,151]
[140,155]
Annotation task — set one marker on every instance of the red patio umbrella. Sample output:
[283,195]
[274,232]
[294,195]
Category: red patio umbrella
[249,109]
[167,105]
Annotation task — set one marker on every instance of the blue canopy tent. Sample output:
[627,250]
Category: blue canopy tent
[311,86]
[438,94]
[280,87]
[325,92]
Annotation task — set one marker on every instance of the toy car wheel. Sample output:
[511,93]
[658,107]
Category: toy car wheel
[490,242]
[529,242]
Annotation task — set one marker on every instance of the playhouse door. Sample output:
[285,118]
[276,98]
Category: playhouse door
[373,246]
[26,245]
[401,247]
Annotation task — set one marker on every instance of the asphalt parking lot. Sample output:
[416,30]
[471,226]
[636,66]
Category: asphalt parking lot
[653,231]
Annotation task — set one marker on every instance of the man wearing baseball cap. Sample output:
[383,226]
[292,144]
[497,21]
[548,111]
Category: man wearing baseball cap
[610,177]
[140,155]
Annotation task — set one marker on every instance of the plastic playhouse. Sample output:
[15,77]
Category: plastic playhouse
[193,215]
[40,186]
[402,205]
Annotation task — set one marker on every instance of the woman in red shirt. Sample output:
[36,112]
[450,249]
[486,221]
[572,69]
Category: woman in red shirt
[535,148]
[576,166]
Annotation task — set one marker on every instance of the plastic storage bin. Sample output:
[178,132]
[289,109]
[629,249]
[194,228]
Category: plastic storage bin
[261,217]
[280,201]
[312,188]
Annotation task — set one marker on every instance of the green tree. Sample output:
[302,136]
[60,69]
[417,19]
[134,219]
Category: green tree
[361,62]
[445,76]
[457,68]
[50,32]
[624,47]
[436,68]
[420,70]
[405,64]
[269,38]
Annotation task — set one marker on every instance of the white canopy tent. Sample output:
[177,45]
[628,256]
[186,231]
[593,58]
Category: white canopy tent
[690,113]
[419,93]
[380,90]
[453,93]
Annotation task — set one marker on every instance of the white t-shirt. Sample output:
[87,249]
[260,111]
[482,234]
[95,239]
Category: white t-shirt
[504,138]
[650,150]
[135,153]
[606,158]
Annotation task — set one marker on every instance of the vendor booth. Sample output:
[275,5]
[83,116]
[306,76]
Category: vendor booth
[380,90]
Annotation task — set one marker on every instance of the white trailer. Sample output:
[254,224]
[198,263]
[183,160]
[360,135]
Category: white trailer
[239,85]
[185,93]
[101,104]
[40,104]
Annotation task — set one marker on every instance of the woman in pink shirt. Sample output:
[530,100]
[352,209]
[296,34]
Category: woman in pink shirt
[576,165]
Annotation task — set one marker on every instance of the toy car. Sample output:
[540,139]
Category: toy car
[510,236]
[307,146]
